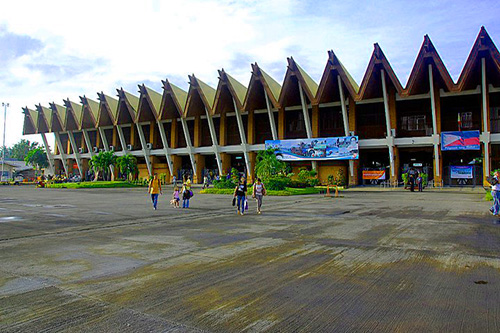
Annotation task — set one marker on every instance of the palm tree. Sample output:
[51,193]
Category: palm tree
[102,163]
[268,165]
[127,164]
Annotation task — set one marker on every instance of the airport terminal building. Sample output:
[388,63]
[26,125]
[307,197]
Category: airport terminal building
[210,129]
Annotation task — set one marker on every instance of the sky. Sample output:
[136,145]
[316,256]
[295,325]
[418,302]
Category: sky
[53,50]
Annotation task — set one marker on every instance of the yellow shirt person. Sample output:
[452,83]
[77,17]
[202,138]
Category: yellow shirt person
[154,189]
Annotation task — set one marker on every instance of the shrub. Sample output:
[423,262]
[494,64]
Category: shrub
[297,184]
[224,183]
[313,182]
[277,183]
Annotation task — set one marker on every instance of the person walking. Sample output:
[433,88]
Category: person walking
[154,188]
[186,193]
[205,182]
[420,183]
[258,192]
[240,193]
[495,192]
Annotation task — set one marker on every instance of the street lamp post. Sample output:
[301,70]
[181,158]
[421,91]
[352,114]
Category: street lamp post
[5,105]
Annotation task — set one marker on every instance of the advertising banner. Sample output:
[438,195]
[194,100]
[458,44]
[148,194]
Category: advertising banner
[374,174]
[462,172]
[466,140]
[336,148]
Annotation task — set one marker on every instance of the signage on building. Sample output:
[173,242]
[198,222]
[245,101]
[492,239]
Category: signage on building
[335,148]
[462,172]
[374,174]
[465,140]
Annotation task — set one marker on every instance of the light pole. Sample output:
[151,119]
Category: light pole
[5,105]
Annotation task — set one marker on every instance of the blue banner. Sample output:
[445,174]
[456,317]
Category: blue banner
[462,172]
[337,148]
[466,140]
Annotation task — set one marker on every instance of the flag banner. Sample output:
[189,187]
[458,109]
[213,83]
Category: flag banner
[374,174]
[465,140]
[335,148]
[462,172]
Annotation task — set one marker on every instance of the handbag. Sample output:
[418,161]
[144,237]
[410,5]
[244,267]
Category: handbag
[246,204]
[234,201]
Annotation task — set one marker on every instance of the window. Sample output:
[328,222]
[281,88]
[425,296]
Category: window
[465,119]
[495,119]
[413,123]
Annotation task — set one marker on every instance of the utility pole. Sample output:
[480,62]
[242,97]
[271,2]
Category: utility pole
[5,105]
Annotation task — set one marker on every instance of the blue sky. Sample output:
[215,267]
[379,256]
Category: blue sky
[52,50]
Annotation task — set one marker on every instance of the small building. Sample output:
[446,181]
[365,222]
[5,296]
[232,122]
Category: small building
[13,168]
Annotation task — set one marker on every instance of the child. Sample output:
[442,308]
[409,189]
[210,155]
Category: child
[175,197]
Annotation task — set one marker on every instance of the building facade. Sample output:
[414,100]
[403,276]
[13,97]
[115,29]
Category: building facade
[211,130]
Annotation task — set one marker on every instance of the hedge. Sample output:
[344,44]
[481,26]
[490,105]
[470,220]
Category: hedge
[287,191]
[99,184]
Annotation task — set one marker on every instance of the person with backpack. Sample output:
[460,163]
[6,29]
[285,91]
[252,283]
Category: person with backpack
[495,192]
[186,193]
[240,193]
[258,192]
[154,188]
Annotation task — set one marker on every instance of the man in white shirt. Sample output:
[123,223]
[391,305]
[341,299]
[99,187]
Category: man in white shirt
[495,193]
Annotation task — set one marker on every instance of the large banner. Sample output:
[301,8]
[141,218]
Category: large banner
[466,140]
[339,148]
[374,174]
[462,172]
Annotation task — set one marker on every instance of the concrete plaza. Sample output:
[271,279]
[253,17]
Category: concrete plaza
[101,260]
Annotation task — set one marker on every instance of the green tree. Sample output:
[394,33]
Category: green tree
[127,164]
[102,163]
[21,149]
[268,165]
[8,152]
[37,158]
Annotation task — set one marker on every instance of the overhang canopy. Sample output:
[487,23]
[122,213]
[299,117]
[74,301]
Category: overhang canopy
[227,90]
[108,109]
[73,115]
[149,104]
[90,113]
[173,101]
[30,121]
[290,94]
[200,96]
[260,81]
[44,119]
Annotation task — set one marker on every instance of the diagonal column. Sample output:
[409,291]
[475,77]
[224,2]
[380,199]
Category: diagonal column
[390,139]
[486,133]
[166,149]
[345,118]
[50,158]
[271,117]
[61,152]
[75,151]
[145,150]
[215,145]
[121,136]
[241,129]
[434,123]
[307,120]
[106,147]
[88,142]
[189,144]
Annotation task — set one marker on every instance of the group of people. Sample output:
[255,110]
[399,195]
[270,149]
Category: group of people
[415,179]
[154,189]
[239,195]
[495,193]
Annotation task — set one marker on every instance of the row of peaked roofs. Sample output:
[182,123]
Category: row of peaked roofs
[91,114]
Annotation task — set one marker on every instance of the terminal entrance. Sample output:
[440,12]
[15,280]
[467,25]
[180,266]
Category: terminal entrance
[374,160]
[238,162]
[186,168]
[420,159]
[462,168]
[211,170]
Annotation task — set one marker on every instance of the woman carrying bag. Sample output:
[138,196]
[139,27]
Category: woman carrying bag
[240,194]
[258,192]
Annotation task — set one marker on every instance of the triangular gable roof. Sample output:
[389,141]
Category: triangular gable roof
[308,84]
[110,105]
[152,98]
[73,114]
[334,64]
[131,101]
[44,119]
[58,117]
[483,44]
[237,90]
[90,110]
[178,97]
[271,86]
[378,58]
[419,73]
[206,93]
[30,121]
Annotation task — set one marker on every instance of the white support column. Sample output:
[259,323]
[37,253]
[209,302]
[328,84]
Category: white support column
[166,149]
[50,158]
[121,136]
[88,142]
[76,152]
[271,117]
[486,134]
[145,150]
[62,153]
[243,138]
[390,139]
[105,144]
[345,119]
[215,144]
[189,144]
[434,121]
[307,120]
